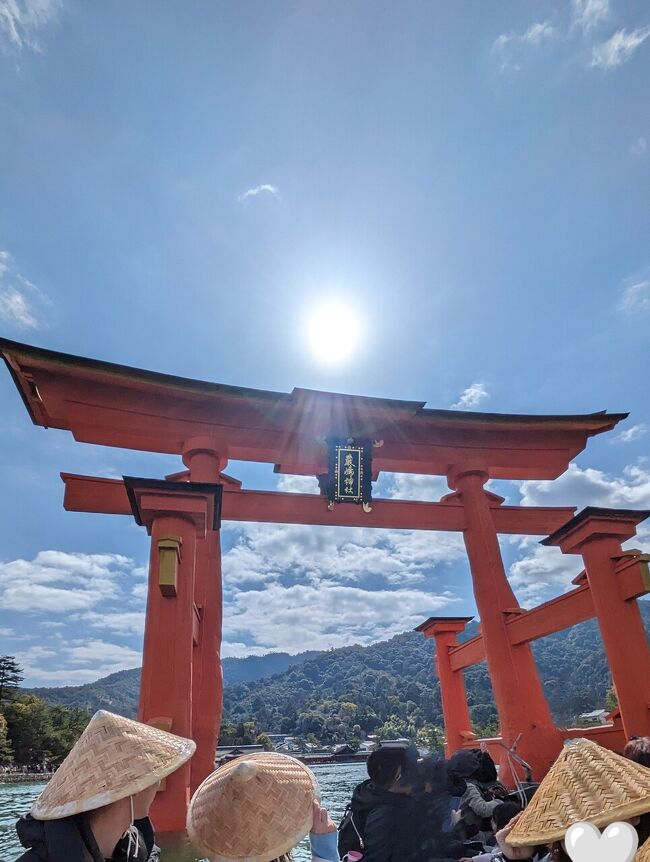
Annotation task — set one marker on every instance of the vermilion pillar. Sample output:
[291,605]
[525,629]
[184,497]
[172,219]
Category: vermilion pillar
[597,534]
[458,725]
[518,692]
[176,515]
[202,458]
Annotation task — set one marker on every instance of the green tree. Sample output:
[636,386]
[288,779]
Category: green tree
[611,700]
[431,737]
[6,751]
[41,733]
[487,730]
[66,726]
[11,675]
[28,728]
[263,739]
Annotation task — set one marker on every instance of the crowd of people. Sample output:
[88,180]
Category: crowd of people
[257,808]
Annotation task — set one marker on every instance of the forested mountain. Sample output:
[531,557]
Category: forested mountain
[119,691]
[388,688]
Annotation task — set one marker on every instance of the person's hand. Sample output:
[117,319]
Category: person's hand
[455,816]
[508,850]
[323,823]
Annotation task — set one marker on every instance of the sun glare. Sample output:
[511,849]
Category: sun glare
[333,332]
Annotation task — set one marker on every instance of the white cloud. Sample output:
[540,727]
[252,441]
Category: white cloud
[55,582]
[618,49]
[542,572]
[6,632]
[588,14]
[139,591]
[471,397]
[298,484]
[275,553]
[538,33]
[411,486]
[103,653]
[590,487]
[292,587]
[636,298]
[265,188]
[237,649]
[635,432]
[20,21]
[325,615]
[119,622]
[39,599]
[639,147]
[511,47]
[22,304]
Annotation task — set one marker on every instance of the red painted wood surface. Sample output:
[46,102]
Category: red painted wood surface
[108,496]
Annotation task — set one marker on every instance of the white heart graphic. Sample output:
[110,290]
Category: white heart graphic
[618,843]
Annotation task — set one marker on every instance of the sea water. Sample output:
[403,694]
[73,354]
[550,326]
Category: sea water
[336,781]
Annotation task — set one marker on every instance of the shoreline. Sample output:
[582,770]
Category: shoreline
[25,777]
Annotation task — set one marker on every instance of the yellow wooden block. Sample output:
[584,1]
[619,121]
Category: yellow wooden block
[169,557]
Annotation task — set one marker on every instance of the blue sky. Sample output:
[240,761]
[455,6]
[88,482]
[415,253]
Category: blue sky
[183,184]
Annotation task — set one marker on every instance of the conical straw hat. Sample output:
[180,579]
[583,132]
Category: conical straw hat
[113,758]
[643,854]
[254,808]
[586,782]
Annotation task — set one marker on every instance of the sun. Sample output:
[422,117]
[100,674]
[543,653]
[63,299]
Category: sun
[333,332]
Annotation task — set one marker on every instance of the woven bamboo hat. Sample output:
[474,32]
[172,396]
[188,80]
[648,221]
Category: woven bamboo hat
[643,854]
[113,758]
[586,782]
[253,809]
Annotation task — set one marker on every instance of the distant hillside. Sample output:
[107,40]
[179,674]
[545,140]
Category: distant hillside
[259,666]
[119,691]
[116,693]
[391,686]
[388,687]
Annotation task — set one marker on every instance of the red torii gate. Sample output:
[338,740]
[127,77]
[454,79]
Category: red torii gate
[208,424]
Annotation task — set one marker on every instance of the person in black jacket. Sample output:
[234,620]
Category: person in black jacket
[433,798]
[386,808]
[71,839]
[96,805]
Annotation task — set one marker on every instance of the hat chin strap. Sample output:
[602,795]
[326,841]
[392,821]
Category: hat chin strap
[133,835]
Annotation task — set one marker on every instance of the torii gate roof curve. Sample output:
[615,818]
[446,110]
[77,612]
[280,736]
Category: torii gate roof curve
[115,405]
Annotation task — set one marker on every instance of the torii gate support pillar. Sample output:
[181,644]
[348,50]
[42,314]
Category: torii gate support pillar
[177,516]
[202,456]
[524,713]
[458,725]
[597,534]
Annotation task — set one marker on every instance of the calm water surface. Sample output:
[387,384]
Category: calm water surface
[336,783]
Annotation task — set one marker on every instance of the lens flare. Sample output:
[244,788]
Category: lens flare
[333,332]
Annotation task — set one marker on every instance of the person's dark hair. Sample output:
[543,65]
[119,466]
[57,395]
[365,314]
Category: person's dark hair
[385,764]
[503,814]
[464,763]
[433,770]
[638,750]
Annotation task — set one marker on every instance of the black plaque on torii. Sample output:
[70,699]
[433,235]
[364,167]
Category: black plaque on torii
[349,473]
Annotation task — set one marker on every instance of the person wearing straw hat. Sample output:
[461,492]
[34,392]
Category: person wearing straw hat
[586,783]
[638,750]
[96,804]
[257,808]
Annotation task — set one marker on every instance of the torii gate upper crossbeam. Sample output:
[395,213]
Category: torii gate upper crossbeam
[108,496]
